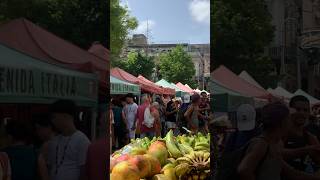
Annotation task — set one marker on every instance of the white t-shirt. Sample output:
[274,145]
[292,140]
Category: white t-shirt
[130,111]
[71,155]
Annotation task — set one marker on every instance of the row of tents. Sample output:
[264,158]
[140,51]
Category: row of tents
[123,82]
[230,90]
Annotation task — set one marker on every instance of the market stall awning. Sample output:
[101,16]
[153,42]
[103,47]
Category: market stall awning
[25,36]
[232,81]
[122,87]
[25,79]
[160,89]
[312,99]
[246,76]
[123,75]
[281,92]
[184,88]
[165,90]
[218,88]
[166,84]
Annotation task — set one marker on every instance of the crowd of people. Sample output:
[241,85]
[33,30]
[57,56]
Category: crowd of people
[157,115]
[64,152]
[277,142]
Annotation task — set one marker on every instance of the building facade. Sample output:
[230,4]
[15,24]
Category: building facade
[200,54]
[294,48]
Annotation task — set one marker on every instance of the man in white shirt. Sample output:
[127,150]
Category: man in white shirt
[129,113]
[67,152]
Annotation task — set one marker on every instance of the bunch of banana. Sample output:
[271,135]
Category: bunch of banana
[195,165]
[172,146]
[169,171]
[202,146]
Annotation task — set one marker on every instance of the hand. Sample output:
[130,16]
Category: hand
[313,149]
[133,127]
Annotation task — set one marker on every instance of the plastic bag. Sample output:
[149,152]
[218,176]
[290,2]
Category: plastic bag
[148,118]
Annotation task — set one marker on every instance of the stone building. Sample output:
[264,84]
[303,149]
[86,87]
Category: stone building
[296,43]
[200,54]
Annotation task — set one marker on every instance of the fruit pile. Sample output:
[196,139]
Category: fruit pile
[171,158]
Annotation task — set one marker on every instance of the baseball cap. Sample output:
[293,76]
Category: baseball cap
[246,117]
[186,98]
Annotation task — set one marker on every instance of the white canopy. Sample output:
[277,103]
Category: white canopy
[279,91]
[311,99]
[246,76]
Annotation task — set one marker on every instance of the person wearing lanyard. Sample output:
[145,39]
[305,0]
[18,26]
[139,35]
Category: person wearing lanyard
[67,151]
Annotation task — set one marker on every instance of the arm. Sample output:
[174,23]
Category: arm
[249,163]
[293,153]
[83,157]
[291,173]
[315,156]
[42,168]
[124,119]
[188,113]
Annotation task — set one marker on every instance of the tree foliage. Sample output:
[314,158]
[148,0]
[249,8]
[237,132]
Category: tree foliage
[136,64]
[80,21]
[240,32]
[121,23]
[177,66]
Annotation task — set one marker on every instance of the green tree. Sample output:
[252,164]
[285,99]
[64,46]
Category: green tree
[80,21]
[121,23]
[136,64]
[241,31]
[177,66]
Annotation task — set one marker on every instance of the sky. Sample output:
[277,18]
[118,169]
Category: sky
[172,21]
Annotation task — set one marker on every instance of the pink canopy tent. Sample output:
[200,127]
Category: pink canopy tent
[166,91]
[184,88]
[224,76]
[123,75]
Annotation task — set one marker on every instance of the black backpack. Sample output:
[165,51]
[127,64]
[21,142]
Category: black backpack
[229,162]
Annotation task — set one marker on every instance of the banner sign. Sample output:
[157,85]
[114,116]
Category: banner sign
[117,88]
[41,84]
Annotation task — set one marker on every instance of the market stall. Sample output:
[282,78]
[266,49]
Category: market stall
[122,87]
[312,99]
[66,71]
[165,90]
[125,76]
[184,88]
[235,83]
[178,91]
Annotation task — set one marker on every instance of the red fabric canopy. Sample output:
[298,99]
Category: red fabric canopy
[226,77]
[123,75]
[26,37]
[167,91]
[184,88]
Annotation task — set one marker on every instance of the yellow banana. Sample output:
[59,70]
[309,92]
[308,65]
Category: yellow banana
[181,169]
[167,166]
[171,145]
[206,156]
[184,160]
[170,173]
[204,144]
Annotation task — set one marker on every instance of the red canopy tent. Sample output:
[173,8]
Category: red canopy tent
[230,80]
[184,88]
[167,91]
[24,36]
[123,75]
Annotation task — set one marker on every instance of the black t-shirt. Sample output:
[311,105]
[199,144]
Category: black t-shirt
[170,108]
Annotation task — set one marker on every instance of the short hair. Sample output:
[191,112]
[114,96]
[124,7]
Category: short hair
[298,98]
[43,120]
[273,115]
[203,93]
[130,95]
[195,97]
[65,107]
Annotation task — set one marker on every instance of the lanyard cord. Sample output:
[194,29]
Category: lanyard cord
[63,155]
